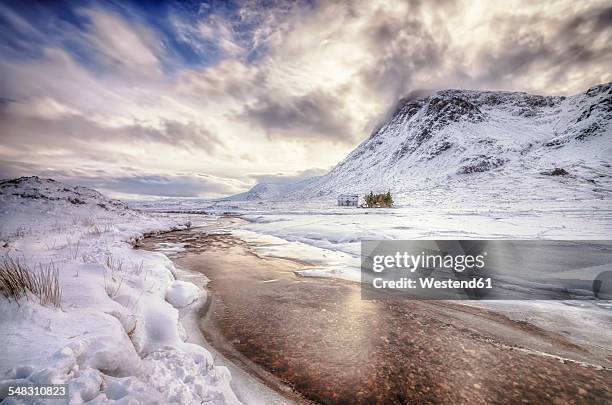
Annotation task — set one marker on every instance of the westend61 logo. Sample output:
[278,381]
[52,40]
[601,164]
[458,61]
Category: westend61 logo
[486,269]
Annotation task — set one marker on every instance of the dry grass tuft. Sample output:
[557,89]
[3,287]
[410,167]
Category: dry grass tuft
[115,268]
[73,248]
[17,281]
[115,265]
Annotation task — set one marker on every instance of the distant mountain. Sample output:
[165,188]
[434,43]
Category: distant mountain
[267,191]
[504,145]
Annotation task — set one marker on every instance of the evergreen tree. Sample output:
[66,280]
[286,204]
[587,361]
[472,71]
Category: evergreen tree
[389,199]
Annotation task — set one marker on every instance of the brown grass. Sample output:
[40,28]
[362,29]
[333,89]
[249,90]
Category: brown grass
[18,281]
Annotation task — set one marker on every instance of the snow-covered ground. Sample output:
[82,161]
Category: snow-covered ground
[461,164]
[116,335]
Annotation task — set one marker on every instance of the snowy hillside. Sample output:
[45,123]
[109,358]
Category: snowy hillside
[461,144]
[114,334]
[33,195]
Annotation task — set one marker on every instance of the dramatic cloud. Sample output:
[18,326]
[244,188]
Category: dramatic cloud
[549,51]
[206,98]
[309,117]
[42,123]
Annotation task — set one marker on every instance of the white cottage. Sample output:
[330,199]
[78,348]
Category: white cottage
[349,200]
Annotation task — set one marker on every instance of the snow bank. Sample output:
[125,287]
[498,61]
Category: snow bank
[116,335]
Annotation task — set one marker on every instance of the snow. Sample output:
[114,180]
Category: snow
[182,293]
[117,335]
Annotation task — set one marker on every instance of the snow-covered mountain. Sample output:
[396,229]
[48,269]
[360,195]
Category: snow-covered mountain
[503,144]
[266,191]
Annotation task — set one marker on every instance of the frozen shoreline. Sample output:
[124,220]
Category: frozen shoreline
[247,388]
[328,238]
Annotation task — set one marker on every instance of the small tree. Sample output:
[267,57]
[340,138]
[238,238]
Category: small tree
[388,199]
[369,199]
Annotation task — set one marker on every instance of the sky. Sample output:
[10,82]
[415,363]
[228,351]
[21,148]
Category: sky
[206,99]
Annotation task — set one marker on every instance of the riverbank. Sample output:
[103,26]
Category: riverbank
[319,337]
[248,389]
